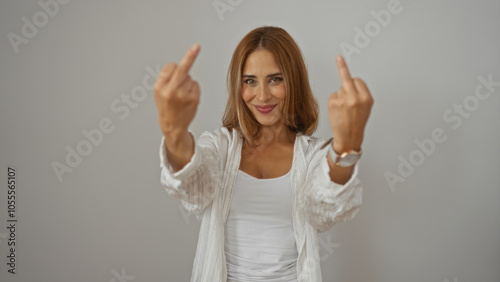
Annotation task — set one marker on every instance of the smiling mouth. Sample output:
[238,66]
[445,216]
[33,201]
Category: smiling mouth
[265,108]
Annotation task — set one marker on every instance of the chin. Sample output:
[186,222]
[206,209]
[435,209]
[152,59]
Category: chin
[268,121]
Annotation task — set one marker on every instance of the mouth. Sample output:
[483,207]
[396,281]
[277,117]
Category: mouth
[264,109]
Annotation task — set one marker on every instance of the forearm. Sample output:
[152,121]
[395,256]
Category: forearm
[180,149]
[333,194]
[342,174]
[338,174]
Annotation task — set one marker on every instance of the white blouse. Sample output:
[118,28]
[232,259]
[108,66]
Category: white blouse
[259,240]
[205,186]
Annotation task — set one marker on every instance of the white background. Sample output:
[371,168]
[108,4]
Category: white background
[109,219]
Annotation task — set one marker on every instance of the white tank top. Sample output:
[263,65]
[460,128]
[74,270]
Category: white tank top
[259,238]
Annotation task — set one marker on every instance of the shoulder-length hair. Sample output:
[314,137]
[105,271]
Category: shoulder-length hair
[300,110]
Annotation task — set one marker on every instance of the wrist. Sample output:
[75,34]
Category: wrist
[343,156]
[176,139]
[174,134]
[341,147]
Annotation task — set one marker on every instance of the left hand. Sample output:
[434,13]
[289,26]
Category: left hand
[348,110]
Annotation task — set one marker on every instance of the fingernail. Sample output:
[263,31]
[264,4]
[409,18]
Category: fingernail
[195,47]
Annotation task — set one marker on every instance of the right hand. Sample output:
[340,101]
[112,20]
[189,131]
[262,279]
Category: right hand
[177,96]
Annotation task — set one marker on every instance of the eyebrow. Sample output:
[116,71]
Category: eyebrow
[269,75]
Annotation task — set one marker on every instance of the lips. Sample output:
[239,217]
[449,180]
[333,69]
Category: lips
[264,108]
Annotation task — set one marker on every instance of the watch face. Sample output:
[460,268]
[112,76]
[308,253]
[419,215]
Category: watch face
[349,159]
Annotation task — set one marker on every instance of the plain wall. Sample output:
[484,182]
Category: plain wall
[110,219]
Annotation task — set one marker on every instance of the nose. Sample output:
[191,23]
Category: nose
[263,93]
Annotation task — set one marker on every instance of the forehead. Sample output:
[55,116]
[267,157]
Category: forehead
[260,61]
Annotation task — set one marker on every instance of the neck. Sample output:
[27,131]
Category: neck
[275,134]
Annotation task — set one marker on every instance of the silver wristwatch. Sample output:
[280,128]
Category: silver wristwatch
[345,159]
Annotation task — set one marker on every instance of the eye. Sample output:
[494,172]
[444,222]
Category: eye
[276,80]
[250,81]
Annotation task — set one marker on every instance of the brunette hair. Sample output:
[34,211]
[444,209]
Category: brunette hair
[300,109]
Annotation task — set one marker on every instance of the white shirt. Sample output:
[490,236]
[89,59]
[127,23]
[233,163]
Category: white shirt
[259,240]
[205,186]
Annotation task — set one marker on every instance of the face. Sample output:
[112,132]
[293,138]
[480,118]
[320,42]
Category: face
[263,88]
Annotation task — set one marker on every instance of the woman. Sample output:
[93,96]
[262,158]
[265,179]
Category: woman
[262,185]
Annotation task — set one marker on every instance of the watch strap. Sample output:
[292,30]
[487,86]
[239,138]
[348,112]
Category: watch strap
[337,158]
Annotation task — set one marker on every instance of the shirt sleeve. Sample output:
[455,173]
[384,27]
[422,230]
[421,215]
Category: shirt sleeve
[326,202]
[195,184]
